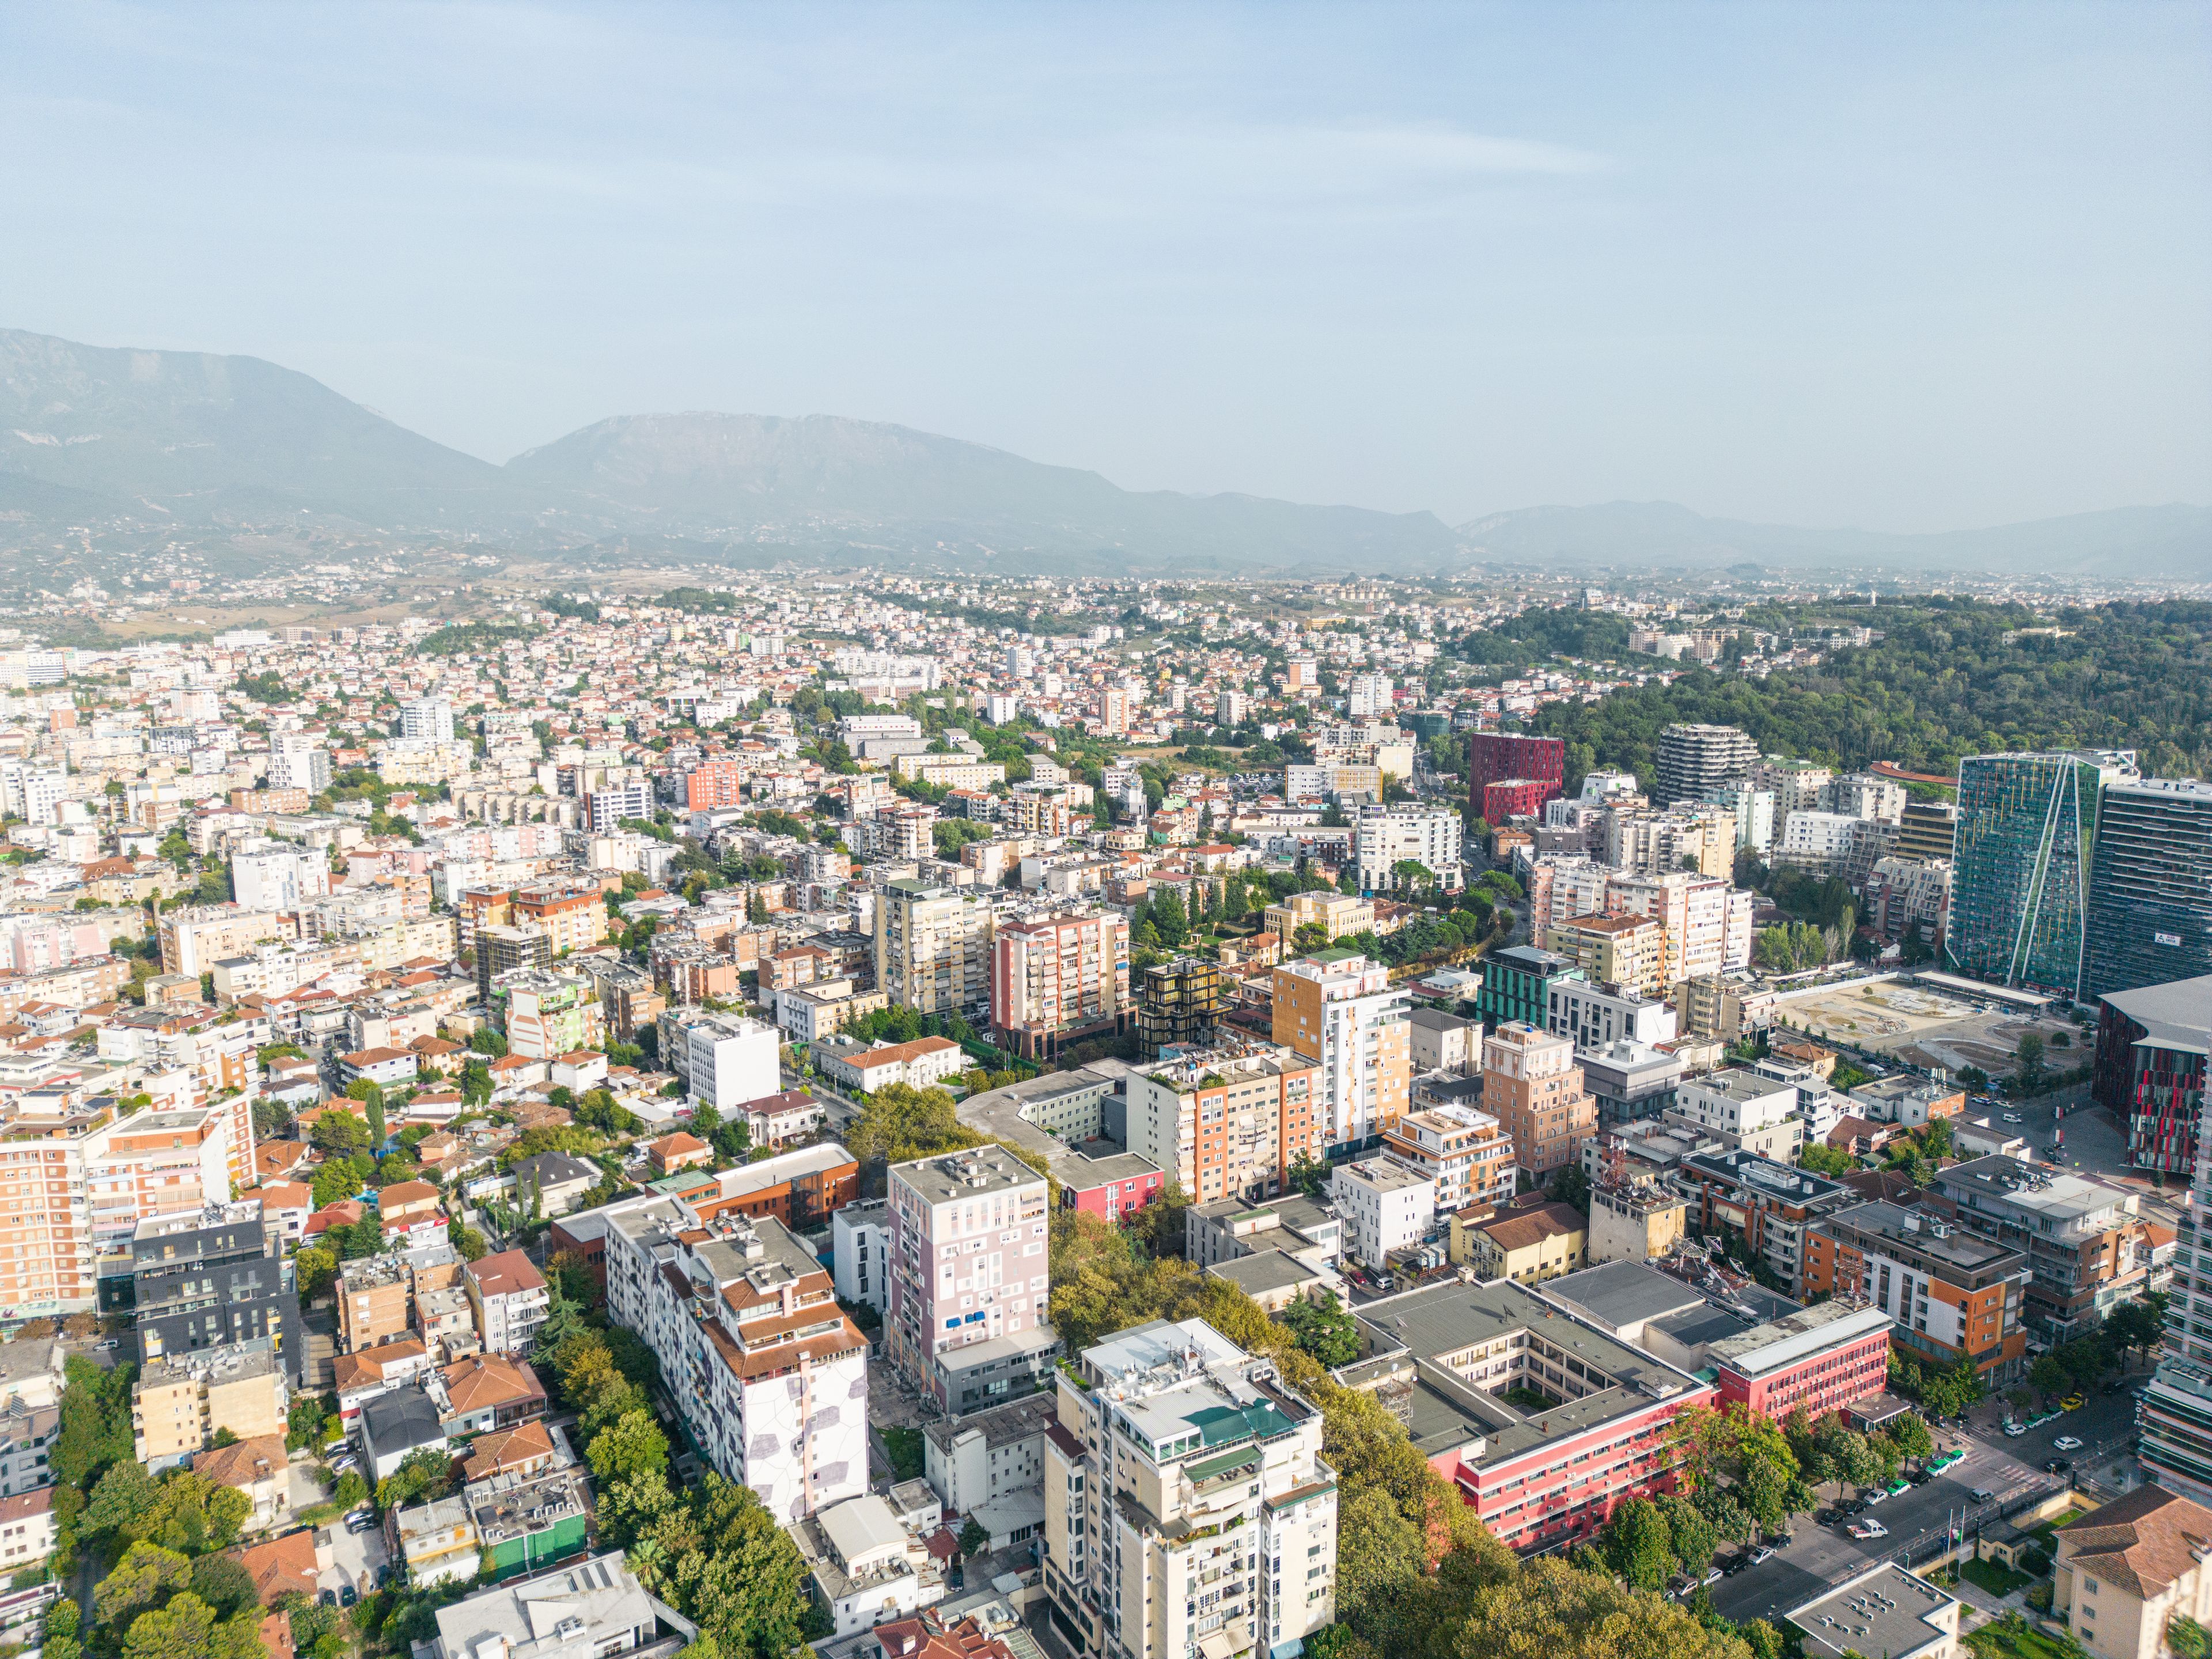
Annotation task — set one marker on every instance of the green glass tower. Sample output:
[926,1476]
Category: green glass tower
[2019,881]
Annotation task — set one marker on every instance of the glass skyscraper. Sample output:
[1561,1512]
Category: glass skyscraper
[2020,874]
[2150,889]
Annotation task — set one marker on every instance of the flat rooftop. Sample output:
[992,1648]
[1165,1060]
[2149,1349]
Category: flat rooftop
[1798,1336]
[953,1177]
[1617,1293]
[1998,1182]
[1416,1336]
[1886,1611]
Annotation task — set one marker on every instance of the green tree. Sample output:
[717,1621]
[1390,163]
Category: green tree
[2187,1637]
[630,1446]
[188,1628]
[2047,1375]
[1380,1553]
[125,1495]
[142,1576]
[1323,1329]
[338,1131]
[1170,919]
[2028,1064]
[371,1097]
[975,1538]
[225,1585]
[1694,1534]
[1639,1545]
[1911,1437]
[317,1270]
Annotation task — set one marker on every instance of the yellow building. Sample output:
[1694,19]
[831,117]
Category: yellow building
[177,1404]
[1526,1245]
[1629,951]
[2125,1571]
[1339,914]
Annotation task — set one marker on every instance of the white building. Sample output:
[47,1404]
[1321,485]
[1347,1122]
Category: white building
[865,1567]
[426,719]
[732,1061]
[1862,795]
[1367,696]
[1187,1507]
[296,763]
[1743,1110]
[276,875]
[1385,1207]
[1818,841]
[860,1244]
[1591,1016]
[1430,835]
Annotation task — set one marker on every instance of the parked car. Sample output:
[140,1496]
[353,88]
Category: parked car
[1714,1575]
[1764,1552]
[1830,1515]
[1920,1477]
[1982,1495]
[347,1595]
[2013,1117]
[1899,1487]
[2058,1465]
[1867,1529]
[1940,1463]
[2067,1443]
[2014,1431]
[2073,1402]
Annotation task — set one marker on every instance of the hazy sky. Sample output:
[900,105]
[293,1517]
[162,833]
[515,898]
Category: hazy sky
[1901,266]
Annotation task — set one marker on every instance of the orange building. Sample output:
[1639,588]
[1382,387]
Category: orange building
[1954,1295]
[1340,1011]
[1532,1086]
[572,921]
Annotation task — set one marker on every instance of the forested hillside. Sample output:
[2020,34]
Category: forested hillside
[1949,678]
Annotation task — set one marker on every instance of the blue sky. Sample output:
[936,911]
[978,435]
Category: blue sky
[1898,266]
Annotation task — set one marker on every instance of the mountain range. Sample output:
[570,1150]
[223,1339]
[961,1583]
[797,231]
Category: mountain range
[90,433]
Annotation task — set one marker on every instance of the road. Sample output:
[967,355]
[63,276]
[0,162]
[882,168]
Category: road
[1819,1557]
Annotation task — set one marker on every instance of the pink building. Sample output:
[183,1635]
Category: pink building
[1059,979]
[1112,1188]
[966,1319]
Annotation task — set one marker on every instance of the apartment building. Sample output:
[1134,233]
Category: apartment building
[1385,837]
[968,1285]
[1613,949]
[1337,915]
[726,1061]
[1770,1206]
[1466,1154]
[1704,924]
[1742,1108]
[2085,1242]
[1518,983]
[1386,1207]
[933,948]
[1693,761]
[2127,1570]
[1341,1011]
[570,920]
[212,1277]
[1228,1121]
[510,1299]
[1178,1003]
[770,1377]
[194,938]
[1533,1086]
[1590,1014]
[375,1299]
[1526,1245]
[179,1403]
[1953,1294]
[1058,979]
[1445,1359]
[546,1014]
[1187,1507]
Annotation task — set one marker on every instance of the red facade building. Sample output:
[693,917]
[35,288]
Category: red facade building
[1520,756]
[1509,798]
[1821,1358]
[1112,1188]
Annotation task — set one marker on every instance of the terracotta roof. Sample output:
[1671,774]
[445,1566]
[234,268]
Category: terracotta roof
[2142,1542]
[677,1144]
[281,1564]
[1516,1230]
[276,1635]
[244,1463]
[401,1194]
[482,1381]
[504,1273]
[281,1196]
[368,1364]
[508,1449]
[38,1501]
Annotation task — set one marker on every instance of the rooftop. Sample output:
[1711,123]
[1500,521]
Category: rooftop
[1885,1610]
[1797,1336]
[1263,1272]
[567,1611]
[954,1176]
[1615,1294]
[2177,1015]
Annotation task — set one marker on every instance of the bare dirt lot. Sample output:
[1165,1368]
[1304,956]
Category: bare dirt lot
[1925,1027]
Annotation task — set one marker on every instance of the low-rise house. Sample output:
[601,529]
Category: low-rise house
[2125,1571]
[296,1561]
[523,1520]
[486,1392]
[395,1423]
[439,1542]
[550,1184]
[27,1529]
[590,1609]
[360,1376]
[866,1568]
[259,1468]
[525,1450]
[1528,1245]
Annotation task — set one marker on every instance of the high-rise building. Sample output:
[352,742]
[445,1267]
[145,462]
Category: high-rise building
[1928,830]
[1340,1010]
[1058,979]
[2173,1421]
[426,719]
[2150,886]
[1693,761]
[933,948]
[1516,984]
[2020,879]
[727,1060]
[207,1278]
[1179,1003]
[1227,1122]
[1187,1507]
[1387,836]
[969,1278]
[1533,1086]
[1613,949]
[2150,1069]
[1501,757]
[1367,696]
[502,950]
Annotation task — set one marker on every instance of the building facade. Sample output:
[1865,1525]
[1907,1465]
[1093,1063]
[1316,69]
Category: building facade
[1532,1085]
[1340,1011]
[2150,886]
[968,1271]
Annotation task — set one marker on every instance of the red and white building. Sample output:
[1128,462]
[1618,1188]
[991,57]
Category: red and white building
[1057,979]
[1112,1188]
[1542,1478]
[1821,1358]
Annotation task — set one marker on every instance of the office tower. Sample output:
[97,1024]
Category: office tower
[1693,761]
[426,719]
[2150,886]
[2149,1071]
[967,1322]
[211,1277]
[2174,1418]
[1187,1507]
[1509,756]
[1341,1011]
[933,948]
[1532,1085]
[1057,979]
[727,1060]
[2019,881]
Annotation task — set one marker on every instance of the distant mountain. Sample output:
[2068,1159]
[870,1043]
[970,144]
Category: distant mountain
[197,436]
[2150,541]
[90,435]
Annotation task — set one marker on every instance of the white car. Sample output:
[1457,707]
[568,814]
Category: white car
[1875,1495]
[2013,1117]
[2067,1443]
[1869,1529]
[2014,1431]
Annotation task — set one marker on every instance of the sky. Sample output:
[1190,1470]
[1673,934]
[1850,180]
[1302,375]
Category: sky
[1901,266]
